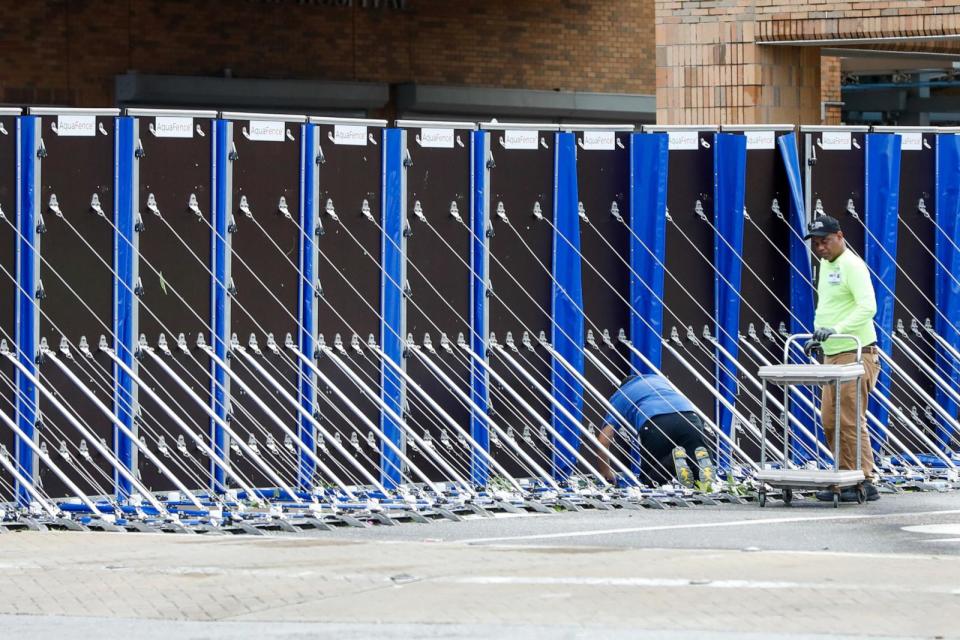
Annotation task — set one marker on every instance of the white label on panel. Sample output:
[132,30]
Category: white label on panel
[520,139]
[73,125]
[351,134]
[760,139]
[835,140]
[599,140]
[266,130]
[911,141]
[683,140]
[173,127]
[439,138]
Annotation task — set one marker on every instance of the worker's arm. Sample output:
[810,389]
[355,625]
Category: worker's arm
[861,287]
[607,434]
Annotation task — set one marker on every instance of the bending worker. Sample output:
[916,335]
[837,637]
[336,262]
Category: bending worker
[845,304]
[667,427]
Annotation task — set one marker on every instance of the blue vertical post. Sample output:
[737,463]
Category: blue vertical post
[649,162]
[391,299]
[801,285]
[307,307]
[124,301]
[881,206]
[566,303]
[220,297]
[27,305]
[648,224]
[479,318]
[729,183]
[946,289]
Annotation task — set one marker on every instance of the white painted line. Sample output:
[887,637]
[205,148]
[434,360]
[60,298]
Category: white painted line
[706,525]
[941,529]
[648,583]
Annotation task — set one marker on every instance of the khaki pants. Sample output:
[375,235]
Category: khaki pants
[848,412]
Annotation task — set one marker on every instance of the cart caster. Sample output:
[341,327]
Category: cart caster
[861,494]
[762,498]
[836,500]
[787,497]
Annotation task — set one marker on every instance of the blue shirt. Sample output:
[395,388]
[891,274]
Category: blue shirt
[645,397]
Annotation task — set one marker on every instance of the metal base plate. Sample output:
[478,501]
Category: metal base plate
[810,373]
[813,478]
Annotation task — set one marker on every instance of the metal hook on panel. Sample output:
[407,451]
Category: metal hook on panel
[455,212]
[502,211]
[200,131]
[372,140]
[331,210]
[41,225]
[615,212]
[407,158]
[666,211]
[54,205]
[775,207]
[782,329]
[491,163]
[698,209]
[620,144]
[290,136]
[543,143]
[138,225]
[41,149]
[3,129]
[704,143]
[854,142]
[152,205]
[592,339]
[138,288]
[321,159]
[233,155]
[244,207]
[460,142]
[232,225]
[922,208]
[537,211]
[746,216]
[283,209]
[139,152]
[101,129]
[418,211]
[95,206]
[582,213]
[851,209]
[365,210]
[818,208]
[194,205]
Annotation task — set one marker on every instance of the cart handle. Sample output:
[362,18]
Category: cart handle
[800,336]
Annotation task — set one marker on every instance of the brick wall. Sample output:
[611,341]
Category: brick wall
[67,52]
[716,63]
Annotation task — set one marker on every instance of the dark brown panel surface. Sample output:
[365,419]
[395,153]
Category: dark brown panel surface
[174,269]
[438,270]
[76,272]
[604,180]
[688,291]
[264,273]
[520,262]
[8,290]
[349,274]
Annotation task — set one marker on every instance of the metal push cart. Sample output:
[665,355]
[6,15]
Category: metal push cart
[784,375]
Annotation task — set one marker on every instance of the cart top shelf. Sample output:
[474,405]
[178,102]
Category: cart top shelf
[816,374]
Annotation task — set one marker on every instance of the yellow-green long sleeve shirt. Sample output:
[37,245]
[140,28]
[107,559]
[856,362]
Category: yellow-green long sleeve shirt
[845,302]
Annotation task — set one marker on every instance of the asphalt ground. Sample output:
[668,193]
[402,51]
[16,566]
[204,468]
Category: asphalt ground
[882,570]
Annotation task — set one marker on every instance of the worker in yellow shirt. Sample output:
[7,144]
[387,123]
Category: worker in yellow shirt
[845,304]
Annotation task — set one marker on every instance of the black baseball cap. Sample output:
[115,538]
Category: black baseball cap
[822,226]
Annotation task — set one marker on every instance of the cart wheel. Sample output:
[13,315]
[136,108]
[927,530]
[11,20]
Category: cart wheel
[836,500]
[787,497]
[762,498]
[861,494]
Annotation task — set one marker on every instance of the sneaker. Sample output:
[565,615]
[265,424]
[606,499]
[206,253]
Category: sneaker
[872,493]
[708,472]
[684,474]
[825,496]
[850,493]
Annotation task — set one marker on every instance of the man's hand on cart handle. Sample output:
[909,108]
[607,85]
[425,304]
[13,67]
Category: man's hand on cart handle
[812,349]
[821,334]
